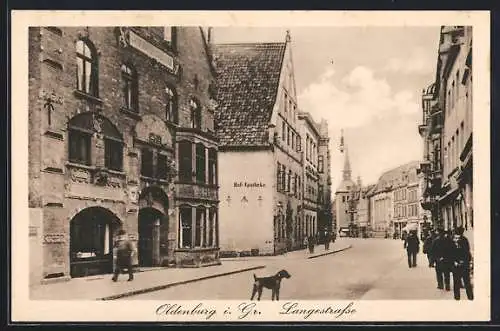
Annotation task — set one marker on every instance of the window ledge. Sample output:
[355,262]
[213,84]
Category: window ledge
[130,112]
[89,97]
[120,173]
[79,165]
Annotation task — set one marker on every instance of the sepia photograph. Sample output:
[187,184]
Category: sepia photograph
[235,170]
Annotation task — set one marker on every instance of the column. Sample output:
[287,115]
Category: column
[193,162]
[193,226]
[207,180]
[156,242]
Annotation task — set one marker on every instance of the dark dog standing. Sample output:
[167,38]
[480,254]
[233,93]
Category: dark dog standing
[273,283]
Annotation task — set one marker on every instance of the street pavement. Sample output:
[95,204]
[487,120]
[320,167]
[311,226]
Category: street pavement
[154,279]
[371,269]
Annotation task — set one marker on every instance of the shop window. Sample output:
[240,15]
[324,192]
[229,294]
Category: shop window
[195,114]
[130,88]
[113,154]
[161,166]
[200,163]
[171,105]
[185,215]
[79,147]
[86,60]
[147,162]
[212,166]
[185,161]
[90,238]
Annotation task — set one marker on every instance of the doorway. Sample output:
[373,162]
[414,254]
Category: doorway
[150,221]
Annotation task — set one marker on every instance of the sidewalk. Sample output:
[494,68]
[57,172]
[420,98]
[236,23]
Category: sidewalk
[403,283]
[102,288]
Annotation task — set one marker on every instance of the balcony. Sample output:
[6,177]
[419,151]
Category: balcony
[428,203]
[423,128]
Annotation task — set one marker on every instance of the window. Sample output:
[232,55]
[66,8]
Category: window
[113,152]
[278,177]
[200,163]
[147,162]
[79,147]
[186,220]
[129,88]
[212,227]
[453,94]
[283,178]
[161,166]
[86,60]
[200,221]
[289,136]
[167,33]
[289,181]
[293,140]
[320,193]
[283,130]
[195,114]
[320,163]
[286,104]
[185,161]
[170,105]
[212,166]
[299,144]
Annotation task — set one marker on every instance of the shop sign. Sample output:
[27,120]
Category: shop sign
[53,238]
[249,184]
[151,50]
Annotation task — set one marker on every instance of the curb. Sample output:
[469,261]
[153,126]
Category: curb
[332,252]
[162,287]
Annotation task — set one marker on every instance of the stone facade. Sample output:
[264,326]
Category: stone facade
[325,212]
[108,107]
[447,132]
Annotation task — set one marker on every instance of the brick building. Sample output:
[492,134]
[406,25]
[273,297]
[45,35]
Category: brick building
[260,154]
[112,112]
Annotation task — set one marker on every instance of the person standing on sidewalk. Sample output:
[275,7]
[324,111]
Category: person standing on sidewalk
[427,248]
[311,243]
[124,251]
[412,245]
[441,250]
[462,258]
[327,240]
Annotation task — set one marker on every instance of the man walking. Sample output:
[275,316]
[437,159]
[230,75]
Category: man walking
[327,241]
[441,251]
[124,251]
[412,245]
[427,248]
[461,259]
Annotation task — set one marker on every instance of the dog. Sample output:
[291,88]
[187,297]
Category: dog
[272,282]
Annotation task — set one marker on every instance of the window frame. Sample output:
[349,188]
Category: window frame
[130,89]
[195,112]
[83,59]
[84,137]
[171,108]
[185,161]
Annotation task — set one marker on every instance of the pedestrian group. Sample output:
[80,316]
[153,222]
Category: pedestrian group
[448,252]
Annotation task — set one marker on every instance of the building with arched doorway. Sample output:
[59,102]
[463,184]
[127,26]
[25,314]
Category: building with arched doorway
[120,139]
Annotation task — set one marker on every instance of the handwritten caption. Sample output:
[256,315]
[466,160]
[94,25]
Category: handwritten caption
[251,310]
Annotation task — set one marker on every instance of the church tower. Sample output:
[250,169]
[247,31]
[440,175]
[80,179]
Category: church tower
[343,192]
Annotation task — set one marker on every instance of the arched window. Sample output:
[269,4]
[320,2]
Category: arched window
[195,114]
[212,166]
[170,105]
[86,60]
[130,88]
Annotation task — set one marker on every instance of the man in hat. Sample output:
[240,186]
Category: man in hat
[124,250]
[461,260]
[412,245]
[441,252]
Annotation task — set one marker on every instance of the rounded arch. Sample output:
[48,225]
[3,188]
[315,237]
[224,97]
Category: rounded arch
[153,126]
[94,122]
[151,194]
[92,231]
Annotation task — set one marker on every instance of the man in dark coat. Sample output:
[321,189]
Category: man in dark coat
[412,245]
[427,248]
[124,250]
[442,250]
[461,260]
[327,240]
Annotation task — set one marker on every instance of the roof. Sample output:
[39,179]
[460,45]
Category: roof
[394,178]
[248,78]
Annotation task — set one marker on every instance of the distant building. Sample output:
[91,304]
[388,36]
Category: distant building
[394,201]
[325,213]
[447,132]
[260,155]
[310,201]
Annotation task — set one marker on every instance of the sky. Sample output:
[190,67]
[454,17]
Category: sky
[367,81]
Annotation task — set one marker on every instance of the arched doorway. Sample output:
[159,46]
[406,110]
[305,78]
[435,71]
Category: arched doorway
[152,226]
[91,241]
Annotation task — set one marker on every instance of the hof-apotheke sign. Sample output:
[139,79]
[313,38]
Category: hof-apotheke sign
[249,184]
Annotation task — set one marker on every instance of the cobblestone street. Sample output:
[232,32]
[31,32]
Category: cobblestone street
[371,269]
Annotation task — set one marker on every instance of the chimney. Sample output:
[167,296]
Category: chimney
[209,35]
[288,38]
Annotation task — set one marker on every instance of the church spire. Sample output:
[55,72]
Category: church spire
[346,173]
